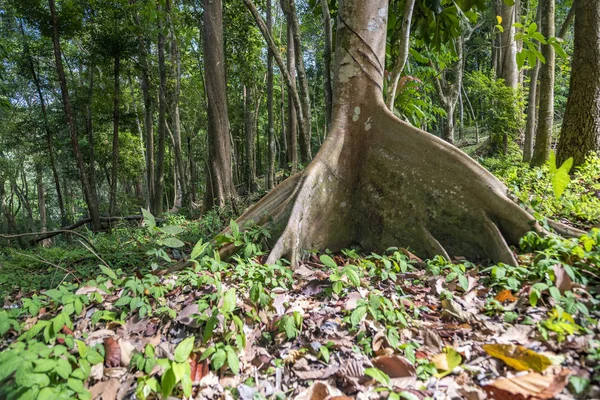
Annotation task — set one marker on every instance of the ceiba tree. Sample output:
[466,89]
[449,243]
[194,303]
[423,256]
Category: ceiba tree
[379,182]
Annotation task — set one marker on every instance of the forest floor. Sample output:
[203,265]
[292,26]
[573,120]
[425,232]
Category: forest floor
[152,312]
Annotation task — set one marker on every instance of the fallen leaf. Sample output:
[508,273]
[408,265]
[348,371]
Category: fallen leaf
[518,357]
[395,366]
[318,391]
[446,362]
[516,333]
[432,340]
[312,374]
[506,296]
[352,301]
[563,280]
[453,309]
[112,352]
[532,386]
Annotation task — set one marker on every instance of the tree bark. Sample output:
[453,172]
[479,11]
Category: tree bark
[41,192]
[90,197]
[327,59]
[403,55]
[289,9]
[250,134]
[532,111]
[581,125]
[508,48]
[270,117]
[378,181]
[49,141]
[543,137]
[159,175]
[292,122]
[115,144]
[219,185]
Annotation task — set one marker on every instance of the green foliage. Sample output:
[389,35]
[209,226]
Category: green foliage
[501,106]
[578,203]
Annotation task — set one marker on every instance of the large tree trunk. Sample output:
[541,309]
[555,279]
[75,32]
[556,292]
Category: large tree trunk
[41,192]
[543,136]
[88,192]
[327,59]
[219,185]
[115,144]
[404,43]
[379,182]
[250,140]
[581,126]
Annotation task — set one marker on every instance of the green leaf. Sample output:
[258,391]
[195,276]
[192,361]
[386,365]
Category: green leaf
[199,249]
[76,385]
[379,376]
[108,272]
[48,393]
[578,384]
[186,385]
[211,323]
[328,261]
[232,360]
[560,176]
[229,301]
[357,315]
[183,350]
[81,348]
[168,382]
[172,242]
[289,326]
[171,230]
[149,218]
[44,365]
[324,351]
[179,370]
[63,368]
[94,357]
[219,359]
[353,275]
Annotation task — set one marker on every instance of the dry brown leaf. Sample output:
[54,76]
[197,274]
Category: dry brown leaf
[532,386]
[112,352]
[395,366]
[506,296]
[518,357]
[110,391]
[320,374]
[319,391]
[563,280]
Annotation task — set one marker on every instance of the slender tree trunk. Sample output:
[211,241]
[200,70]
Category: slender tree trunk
[250,140]
[327,59]
[283,153]
[270,118]
[219,186]
[532,111]
[49,141]
[115,144]
[543,137]
[41,192]
[289,8]
[292,124]
[90,198]
[186,198]
[159,177]
[404,43]
[581,126]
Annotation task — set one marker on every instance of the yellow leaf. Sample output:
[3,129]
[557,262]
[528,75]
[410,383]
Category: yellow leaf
[518,357]
[445,362]
[499,18]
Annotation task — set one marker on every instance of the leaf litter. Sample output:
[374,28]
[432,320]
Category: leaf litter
[339,327]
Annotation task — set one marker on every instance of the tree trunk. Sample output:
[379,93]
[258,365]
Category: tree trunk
[115,144]
[144,45]
[219,185]
[90,197]
[42,202]
[49,141]
[543,137]
[186,198]
[403,55]
[292,125]
[532,111]
[508,48]
[327,59]
[289,9]
[159,174]
[250,134]
[270,118]
[378,181]
[581,126]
